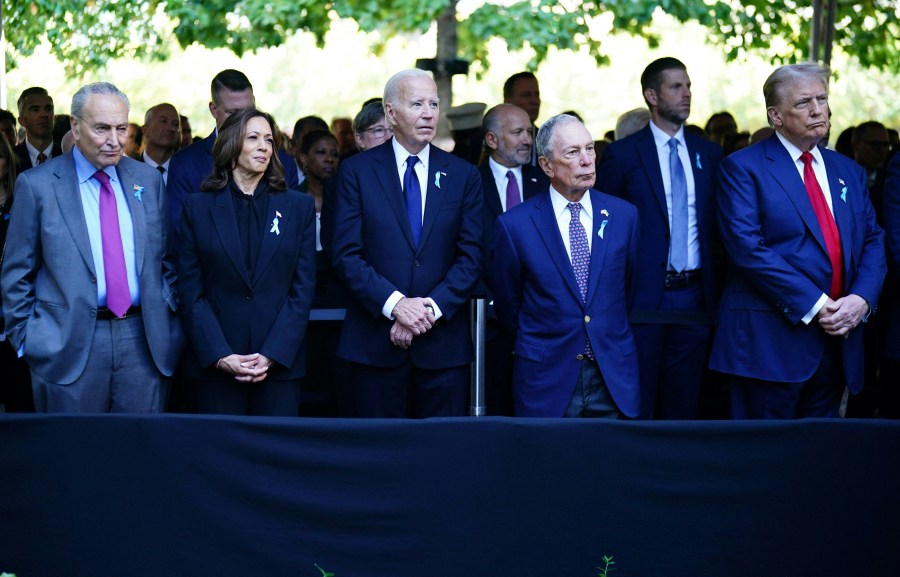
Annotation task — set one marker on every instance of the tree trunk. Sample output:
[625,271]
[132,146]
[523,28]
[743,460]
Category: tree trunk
[446,52]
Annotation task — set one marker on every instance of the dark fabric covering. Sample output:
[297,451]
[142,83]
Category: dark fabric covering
[190,495]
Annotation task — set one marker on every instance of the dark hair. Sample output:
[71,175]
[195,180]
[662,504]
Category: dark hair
[228,147]
[313,137]
[651,78]
[307,124]
[33,91]
[510,83]
[371,113]
[6,151]
[233,80]
[7,116]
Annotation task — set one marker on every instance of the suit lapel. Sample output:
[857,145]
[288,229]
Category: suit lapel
[280,208]
[646,151]
[842,212]
[68,196]
[491,194]
[784,171]
[225,221]
[385,168]
[533,182]
[138,218]
[598,244]
[698,165]
[437,179]
[545,222]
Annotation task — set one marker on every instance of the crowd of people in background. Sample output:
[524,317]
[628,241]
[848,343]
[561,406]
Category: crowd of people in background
[667,270]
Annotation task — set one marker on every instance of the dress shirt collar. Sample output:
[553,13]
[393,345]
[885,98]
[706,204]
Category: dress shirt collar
[796,152]
[561,203]
[153,164]
[662,139]
[84,170]
[499,171]
[33,152]
[401,154]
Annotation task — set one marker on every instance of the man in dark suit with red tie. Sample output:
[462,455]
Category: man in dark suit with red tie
[36,117]
[508,179]
[806,259]
[407,245]
[669,174]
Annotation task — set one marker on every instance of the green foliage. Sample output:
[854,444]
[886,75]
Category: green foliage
[85,34]
[604,571]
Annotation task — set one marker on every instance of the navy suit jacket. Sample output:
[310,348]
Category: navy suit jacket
[224,310]
[630,170]
[374,255]
[49,282]
[891,219]
[779,266]
[23,161]
[536,294]
[190,166]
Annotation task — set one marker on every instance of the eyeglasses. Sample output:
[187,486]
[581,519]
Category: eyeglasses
[379,131]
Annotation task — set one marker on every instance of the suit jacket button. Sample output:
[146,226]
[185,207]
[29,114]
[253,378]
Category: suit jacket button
[249,296]
[579,357]
[416,263]
[587,318]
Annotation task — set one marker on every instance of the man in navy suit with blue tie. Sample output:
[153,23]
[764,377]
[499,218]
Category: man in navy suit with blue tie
[562,270]
[806,263]
[407,244]
[669,174]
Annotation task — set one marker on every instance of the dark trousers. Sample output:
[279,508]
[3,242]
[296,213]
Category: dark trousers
[226,396]
[410,391]
[591,398]
[673,356]
[818,397]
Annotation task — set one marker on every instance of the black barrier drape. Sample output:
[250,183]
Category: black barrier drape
[192,495]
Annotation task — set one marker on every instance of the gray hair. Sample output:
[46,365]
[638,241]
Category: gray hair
[369,115]
[493,117]
[80,98]
[544,140]
[631,122]
[392,88]
[772,89]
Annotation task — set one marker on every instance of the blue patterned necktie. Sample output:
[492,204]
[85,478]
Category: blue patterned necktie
[581,259]
[678,248]
[413,193]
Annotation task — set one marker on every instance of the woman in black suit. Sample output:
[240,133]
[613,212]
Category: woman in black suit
[246,276]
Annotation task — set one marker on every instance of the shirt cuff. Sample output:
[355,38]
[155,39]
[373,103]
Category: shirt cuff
[810,315]
[437,310]
[389,304]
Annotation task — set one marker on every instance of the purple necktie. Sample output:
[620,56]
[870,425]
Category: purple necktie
[581,259]
[118,296]
[41,158]
[512,190]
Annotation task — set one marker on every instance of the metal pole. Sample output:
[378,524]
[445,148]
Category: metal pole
[477,408]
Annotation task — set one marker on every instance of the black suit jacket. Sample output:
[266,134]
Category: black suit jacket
[23,161]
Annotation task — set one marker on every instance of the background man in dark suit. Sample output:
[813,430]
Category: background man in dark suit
[562,271]
[890,377]
[522,90]
[508,179]
[87,280]
[806,260]
[36,117]
[407,245]
[673,189]
[162,135]
[230,91]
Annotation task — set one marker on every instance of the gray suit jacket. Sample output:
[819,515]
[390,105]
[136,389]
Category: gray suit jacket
[49,281]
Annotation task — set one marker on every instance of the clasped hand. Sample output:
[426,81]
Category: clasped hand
[411,319]
[245,368]
[840,317]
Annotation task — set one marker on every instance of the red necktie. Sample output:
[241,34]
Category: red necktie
[41,158]
[827,224]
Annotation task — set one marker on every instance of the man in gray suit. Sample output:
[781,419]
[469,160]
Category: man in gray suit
[88,275]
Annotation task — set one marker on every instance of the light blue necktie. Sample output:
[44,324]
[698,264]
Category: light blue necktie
[413,193]
[678,244]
